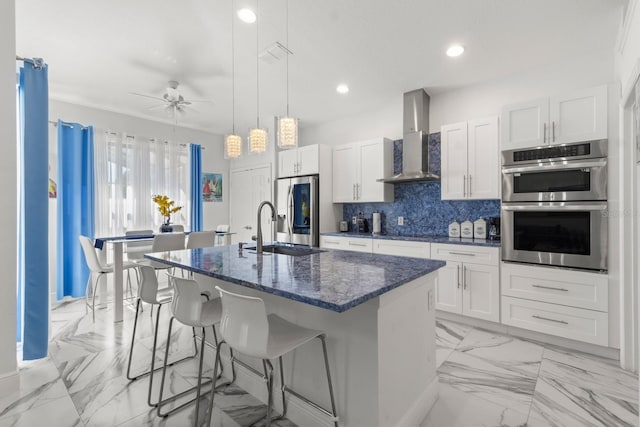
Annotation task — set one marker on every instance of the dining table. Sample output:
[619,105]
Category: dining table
[118,246]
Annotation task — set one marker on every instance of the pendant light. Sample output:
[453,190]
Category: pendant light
[287,132]
[258,137]
[233,142]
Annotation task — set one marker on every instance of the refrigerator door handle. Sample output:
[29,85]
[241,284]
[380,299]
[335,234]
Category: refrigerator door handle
[290,213]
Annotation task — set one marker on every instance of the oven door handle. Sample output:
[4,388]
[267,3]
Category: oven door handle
[555,166]
[557,206]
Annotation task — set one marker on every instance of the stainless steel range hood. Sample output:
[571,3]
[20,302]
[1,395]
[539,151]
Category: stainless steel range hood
[415,148]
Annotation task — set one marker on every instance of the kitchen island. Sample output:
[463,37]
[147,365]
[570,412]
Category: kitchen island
[377,311]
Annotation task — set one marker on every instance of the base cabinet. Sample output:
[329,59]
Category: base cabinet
[357,244]
[466,287]
[566,303]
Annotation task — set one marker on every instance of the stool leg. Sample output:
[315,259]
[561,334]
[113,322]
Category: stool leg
[133,340]
[86,293]
[215,374]
[164,368]
[326,365]
[200,378]
[268,373]
[284,402]
[153,356]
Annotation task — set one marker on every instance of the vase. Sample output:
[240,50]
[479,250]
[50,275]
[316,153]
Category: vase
[166,228]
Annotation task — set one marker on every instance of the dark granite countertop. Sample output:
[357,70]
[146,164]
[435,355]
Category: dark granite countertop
[332,279]
[430,239]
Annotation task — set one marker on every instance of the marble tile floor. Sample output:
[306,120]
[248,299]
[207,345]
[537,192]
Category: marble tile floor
[486,379]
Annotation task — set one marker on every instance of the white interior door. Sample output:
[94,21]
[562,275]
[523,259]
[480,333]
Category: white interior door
[248,188]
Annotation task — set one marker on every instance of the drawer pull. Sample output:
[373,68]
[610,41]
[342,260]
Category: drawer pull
[357,244]
[332,242]
[550,320]
[550,287]
[462,253]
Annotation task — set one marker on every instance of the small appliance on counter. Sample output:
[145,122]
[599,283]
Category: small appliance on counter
[363,224]
[377,225]
[344,226]
[479,229]
[466,230]
[493,227]
[454,229]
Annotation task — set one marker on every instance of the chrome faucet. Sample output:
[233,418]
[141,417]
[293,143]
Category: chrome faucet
[274,218]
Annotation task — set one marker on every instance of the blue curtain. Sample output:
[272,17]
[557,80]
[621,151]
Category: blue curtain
[75,206]
[33,271]
[195,151]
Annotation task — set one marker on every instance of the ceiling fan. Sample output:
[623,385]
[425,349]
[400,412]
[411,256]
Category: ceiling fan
[172,100]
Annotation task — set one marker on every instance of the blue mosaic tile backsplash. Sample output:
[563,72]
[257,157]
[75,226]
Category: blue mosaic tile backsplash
[419,203]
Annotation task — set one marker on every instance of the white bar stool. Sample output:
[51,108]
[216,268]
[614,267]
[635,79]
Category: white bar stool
[148,292]
[201,239]
[189,309]
[98,269]
[246,328]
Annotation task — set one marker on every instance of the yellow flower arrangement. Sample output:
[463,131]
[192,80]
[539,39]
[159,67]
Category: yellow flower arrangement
[166,206]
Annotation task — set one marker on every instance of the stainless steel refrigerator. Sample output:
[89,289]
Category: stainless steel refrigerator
[297,205]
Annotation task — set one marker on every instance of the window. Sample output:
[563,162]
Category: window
[129,171]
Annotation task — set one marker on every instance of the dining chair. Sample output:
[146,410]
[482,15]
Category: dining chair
[201,239]
[178,228]
[135,248]
[97,269]
[164,242]
[247,329]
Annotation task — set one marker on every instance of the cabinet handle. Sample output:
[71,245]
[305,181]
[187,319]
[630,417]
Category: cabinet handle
[469,185]
[550,320]
[357,244]
[458,275]
[464,276]
[461,253]
[464,185]
[550,287]
[332,242]
[553,131]
[544,133]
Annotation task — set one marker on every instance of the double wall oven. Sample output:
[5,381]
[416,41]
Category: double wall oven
[554,205]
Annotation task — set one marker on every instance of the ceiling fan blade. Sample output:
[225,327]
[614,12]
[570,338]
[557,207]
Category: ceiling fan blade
[156,107]
[148,96]
[208,101]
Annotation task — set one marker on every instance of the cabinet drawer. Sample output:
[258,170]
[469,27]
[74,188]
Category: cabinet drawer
[567,287]
[347,243]
[465,253]
[568,322]
[402,248]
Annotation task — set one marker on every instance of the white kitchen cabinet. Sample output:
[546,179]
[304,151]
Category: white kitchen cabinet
[298,161]
[347,243]
[356,169]
[566,303]
[471,160]
[402,248]
[570,117]
[470,282]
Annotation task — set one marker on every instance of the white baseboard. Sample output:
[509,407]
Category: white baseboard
[421,406]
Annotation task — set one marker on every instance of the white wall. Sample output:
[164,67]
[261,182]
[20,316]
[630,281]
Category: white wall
[470,102]
[8,215]
[629,49]
[212,156]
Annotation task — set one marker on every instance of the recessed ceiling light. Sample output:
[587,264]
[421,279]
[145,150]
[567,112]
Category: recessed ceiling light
[342,88]
[455,50]
[247,15]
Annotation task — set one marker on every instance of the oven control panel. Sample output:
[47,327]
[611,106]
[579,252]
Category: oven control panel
[583,150]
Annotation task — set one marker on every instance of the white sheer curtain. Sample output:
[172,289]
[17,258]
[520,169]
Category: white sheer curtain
[129,171]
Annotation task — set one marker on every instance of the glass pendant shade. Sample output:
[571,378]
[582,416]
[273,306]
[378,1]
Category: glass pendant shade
[232,146]
[258,140]
[287,132]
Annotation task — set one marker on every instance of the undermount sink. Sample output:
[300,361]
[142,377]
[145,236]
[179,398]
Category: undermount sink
[289,250]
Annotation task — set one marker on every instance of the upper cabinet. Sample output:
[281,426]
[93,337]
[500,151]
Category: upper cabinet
[356,169]
[570,117]
[298,161]
[470,160]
